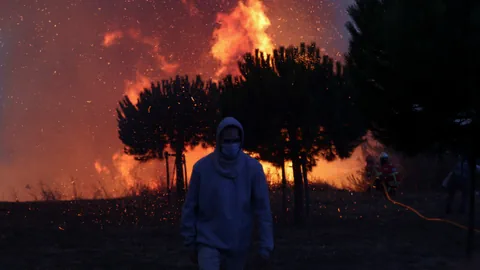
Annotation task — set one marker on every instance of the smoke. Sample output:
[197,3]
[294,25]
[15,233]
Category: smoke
[245,27]
[3,49]
[191,6]
[161,65]
[61,77]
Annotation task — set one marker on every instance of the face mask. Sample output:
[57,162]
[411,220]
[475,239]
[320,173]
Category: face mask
[230,150]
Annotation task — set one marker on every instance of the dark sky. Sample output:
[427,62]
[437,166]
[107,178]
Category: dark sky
[59,85]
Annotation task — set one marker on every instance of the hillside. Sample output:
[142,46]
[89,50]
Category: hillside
[346,231]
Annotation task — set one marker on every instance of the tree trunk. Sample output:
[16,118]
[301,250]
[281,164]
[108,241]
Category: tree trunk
[299,215]
[298,191]
[471,211]
[284,191]
[306,185]
[168,175]
[179,171]
[185,176]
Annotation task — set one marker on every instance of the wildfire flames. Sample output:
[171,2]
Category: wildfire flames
[128,175]
[241,29]
[133,88]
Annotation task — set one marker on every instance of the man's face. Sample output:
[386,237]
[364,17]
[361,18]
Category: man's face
[383,161]
[231,135]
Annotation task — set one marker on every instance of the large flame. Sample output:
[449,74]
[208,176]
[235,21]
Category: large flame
[239,31]
[242,30]
[71,144]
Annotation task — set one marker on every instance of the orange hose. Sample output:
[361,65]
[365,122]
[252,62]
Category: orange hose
[424,217]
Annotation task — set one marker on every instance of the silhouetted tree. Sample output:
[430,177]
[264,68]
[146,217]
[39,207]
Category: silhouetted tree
[417,89]
[294,104]
[243,100]
[176,113]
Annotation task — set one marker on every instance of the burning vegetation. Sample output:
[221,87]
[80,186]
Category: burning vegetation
[304,118]
[240,30]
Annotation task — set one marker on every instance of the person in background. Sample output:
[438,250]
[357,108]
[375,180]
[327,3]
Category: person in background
[458,181]
[388,174]
[228,190]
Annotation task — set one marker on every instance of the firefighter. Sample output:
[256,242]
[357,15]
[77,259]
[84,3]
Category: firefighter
[387,174]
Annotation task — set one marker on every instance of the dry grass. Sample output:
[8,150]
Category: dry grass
[346,231]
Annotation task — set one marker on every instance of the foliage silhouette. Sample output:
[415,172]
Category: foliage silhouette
[176,113]
[419,95]
[399,91]
[294,103]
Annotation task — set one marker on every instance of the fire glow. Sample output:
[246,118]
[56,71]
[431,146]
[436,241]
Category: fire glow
[73,80]
[240,31]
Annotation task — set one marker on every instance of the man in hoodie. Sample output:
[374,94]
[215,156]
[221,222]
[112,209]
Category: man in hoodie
[228,190]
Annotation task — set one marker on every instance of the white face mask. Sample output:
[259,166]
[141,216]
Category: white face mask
[230,150]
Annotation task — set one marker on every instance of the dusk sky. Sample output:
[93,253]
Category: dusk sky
[65,64]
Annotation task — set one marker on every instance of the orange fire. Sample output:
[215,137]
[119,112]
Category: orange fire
[127,174]
[133,88]
[239,31]
[100,168]
[242,30]
[110,38]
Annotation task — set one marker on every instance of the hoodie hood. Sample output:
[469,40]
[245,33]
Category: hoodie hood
[228,168]
[228,122]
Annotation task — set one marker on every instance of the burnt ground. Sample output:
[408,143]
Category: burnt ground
[345,231]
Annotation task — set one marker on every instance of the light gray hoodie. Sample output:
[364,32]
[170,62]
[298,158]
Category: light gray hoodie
[224,198]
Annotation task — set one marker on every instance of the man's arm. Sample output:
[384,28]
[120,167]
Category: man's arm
[261,204]
[189,212]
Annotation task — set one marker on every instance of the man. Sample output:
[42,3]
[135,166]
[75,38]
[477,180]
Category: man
[227,191]
[387,173]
